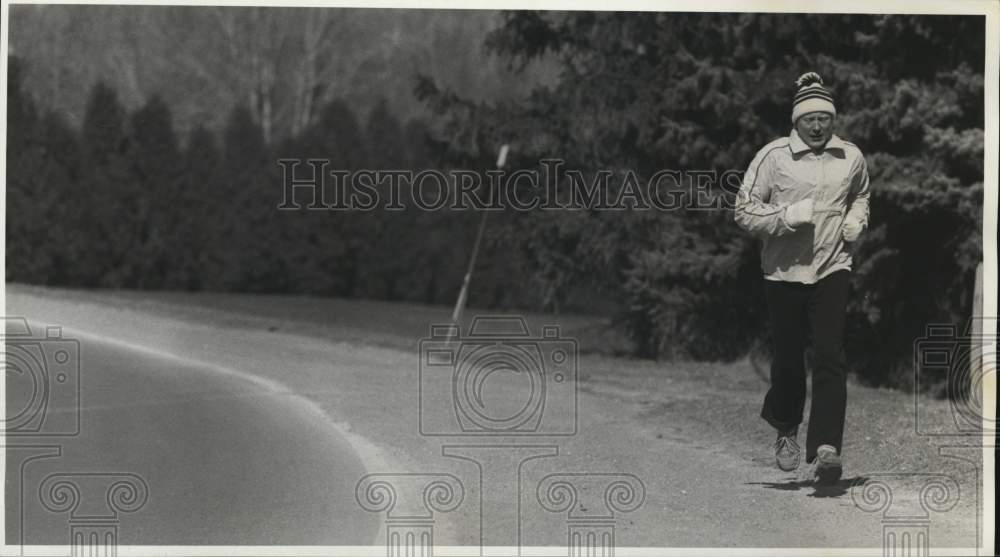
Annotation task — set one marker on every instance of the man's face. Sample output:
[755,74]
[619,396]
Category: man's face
[815,129]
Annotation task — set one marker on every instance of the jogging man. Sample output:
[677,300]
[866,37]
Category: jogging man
[806,197]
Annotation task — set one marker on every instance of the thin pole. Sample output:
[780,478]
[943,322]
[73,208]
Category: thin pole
[463,295]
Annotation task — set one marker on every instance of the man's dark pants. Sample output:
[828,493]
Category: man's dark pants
[819,309]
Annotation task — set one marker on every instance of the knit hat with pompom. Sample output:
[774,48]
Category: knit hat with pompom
[811,96]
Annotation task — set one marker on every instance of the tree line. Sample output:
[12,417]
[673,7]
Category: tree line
[122,202]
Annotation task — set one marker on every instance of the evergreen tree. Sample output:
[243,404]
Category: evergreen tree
[59,177]
[384,138]
[42,195]
[247,244]
[26,260]
[343,240]
[198,205]
[105,220]
[154,162]
[391,236]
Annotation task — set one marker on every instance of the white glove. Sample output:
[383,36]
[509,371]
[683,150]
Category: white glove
[799,213]
[851,229]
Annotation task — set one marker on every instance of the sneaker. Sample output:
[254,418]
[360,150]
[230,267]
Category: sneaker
[786,451]
[828,467]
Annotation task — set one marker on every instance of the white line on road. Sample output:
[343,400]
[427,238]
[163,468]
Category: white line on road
[372,457]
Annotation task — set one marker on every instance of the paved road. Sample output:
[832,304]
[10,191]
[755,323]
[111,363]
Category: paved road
[227,460]
[698,492]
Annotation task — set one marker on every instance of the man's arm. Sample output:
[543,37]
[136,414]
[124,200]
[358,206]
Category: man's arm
[856,219]
[860,192]
[754,213]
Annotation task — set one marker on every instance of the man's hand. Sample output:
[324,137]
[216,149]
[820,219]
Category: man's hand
[851,229]
[799,213]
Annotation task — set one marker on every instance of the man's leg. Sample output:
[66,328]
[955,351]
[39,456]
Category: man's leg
[785,400]
[827,310]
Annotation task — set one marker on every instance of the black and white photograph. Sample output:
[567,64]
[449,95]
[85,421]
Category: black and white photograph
[499,280]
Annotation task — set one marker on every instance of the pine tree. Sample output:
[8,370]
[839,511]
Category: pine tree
[27,258]
[245,244]
[154,163]
[336,136]
[107,226]
[198,206]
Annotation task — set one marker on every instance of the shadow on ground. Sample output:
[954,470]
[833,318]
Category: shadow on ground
[838,489]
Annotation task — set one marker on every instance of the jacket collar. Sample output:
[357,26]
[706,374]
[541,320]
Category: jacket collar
[797,146]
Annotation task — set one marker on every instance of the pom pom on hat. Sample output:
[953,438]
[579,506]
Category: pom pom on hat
[808,78]
[811,96]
